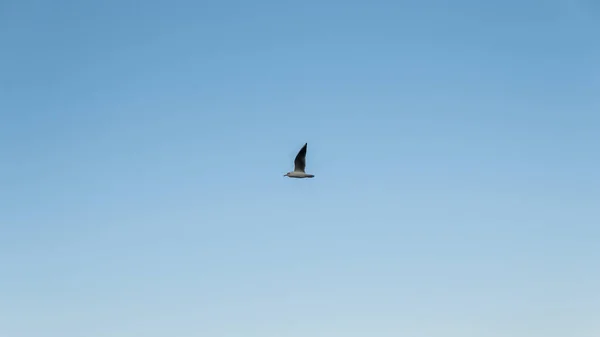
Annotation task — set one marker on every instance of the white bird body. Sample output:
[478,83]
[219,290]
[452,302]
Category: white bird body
[299,175]
[300,165]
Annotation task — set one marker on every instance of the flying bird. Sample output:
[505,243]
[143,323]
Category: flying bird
[299,165]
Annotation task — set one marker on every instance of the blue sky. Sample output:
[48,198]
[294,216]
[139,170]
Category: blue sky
[455,148]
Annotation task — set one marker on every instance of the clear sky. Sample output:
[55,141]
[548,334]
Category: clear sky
[454,143]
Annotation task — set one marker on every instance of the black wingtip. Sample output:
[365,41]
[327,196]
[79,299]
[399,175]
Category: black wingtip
[302,151]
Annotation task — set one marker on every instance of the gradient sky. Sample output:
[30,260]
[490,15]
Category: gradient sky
[454,143]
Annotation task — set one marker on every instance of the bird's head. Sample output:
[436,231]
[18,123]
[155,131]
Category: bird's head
[287,174]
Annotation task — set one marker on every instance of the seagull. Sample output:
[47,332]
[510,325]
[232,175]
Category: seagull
[299,165]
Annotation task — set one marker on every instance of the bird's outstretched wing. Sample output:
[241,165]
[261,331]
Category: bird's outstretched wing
[300,161]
